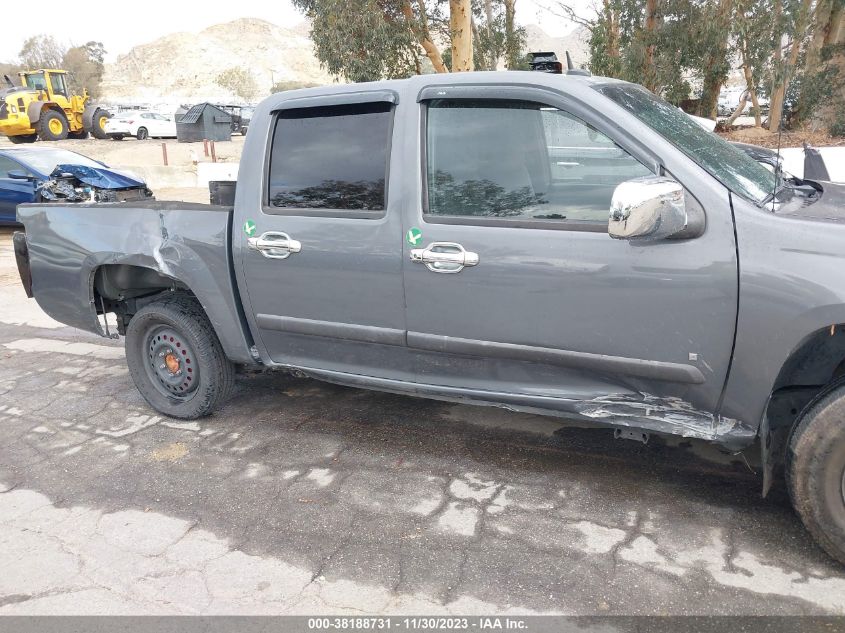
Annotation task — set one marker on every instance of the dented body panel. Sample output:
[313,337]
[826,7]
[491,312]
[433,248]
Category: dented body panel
[102,177]
[684,337]
[188,243]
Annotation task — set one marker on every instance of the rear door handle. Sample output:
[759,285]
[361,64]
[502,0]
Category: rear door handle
[274,245]
[444,257]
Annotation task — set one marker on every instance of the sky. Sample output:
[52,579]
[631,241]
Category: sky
[124,25]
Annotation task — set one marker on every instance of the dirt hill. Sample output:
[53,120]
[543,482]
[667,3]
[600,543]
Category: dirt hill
[182,67]
[185,65]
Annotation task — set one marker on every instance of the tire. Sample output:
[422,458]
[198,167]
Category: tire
[98,123]
[52,126]
[23,138]
[174,335]
[81,135]
[117,137]
[815,472]
[142,134]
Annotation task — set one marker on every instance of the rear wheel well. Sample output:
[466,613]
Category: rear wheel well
[124,289]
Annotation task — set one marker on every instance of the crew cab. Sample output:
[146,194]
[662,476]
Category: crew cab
[560,244]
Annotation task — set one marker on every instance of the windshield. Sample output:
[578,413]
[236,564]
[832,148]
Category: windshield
[35,81]
[731,166]
[45,160]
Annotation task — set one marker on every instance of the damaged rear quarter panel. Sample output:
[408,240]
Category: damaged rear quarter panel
[183,241]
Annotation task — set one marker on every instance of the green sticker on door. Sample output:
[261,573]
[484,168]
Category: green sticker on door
[414,236]
[249,228]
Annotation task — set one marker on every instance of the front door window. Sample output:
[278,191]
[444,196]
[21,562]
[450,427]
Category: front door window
[520,160]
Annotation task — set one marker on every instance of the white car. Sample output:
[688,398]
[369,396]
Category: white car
[729,101]
[141,124]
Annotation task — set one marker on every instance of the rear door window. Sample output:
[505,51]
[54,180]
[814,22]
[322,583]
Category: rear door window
[331,159]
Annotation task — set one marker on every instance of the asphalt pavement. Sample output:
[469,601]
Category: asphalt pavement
[302,497]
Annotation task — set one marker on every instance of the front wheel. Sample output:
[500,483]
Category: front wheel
[52,126]
[815,471]
[176,360]
[142,134]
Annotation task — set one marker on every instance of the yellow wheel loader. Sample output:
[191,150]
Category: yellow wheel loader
[42,107]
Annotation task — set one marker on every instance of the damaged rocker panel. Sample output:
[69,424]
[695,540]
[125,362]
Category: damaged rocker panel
[667,414]
[648,412]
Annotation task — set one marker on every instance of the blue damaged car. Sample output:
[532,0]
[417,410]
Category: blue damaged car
[35,174]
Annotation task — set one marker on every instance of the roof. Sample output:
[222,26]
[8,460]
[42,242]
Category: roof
[35,148]
[563,82]
[195,112]
[27,154]
[193,115]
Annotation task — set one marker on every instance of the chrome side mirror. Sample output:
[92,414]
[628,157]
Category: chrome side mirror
[649,208]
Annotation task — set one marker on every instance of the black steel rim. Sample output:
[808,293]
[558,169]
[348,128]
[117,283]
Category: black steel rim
[171,363]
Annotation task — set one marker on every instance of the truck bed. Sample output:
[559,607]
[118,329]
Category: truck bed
[188,242]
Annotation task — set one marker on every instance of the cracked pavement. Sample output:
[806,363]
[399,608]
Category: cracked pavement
[306,498]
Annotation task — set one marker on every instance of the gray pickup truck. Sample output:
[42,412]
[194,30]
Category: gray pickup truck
[565,245]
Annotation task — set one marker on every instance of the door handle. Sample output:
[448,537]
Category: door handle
[444,257]
[274,245]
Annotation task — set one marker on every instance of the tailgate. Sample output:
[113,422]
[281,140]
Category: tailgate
[22,260]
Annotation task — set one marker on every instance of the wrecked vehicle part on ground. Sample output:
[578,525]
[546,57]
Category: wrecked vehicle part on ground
[77,183]
[565,245]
